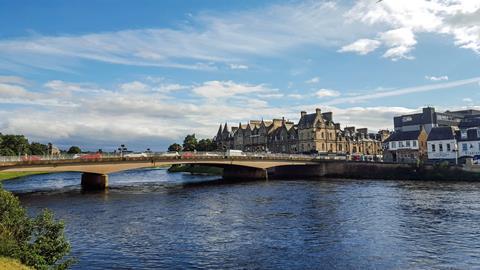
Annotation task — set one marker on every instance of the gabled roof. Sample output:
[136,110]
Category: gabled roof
[308,120]
[404,136]
[441,133]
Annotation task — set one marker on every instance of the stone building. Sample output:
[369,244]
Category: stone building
[314,133]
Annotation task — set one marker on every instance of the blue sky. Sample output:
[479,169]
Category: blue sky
[145,73]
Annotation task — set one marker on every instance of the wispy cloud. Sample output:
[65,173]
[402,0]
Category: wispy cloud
[437,78]
[322,93]
[238,66]
[403,91]
[313,80]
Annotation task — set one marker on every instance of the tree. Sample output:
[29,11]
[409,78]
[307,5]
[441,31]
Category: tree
[175,147]
[38,149]
[74,150]
[37,242]
[206,145]
[16,144]
[190,143]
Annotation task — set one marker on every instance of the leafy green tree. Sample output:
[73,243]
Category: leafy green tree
[175,147]
[206,145]
[37,242]
[16,144]
[38,149]
[74,150]
[190,143]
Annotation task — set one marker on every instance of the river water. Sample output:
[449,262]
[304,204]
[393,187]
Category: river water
[150,219]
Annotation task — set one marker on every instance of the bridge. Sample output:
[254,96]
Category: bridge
[96,167]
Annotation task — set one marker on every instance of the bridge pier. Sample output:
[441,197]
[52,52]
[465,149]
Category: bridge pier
[244,173]
[303,171]
[94,181]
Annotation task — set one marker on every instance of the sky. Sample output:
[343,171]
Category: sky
[145,73]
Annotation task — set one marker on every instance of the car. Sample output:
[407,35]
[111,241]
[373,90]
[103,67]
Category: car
[30,158]
[134,155]
[91,156]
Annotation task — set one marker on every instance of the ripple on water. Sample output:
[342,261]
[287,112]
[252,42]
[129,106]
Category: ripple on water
[150,219]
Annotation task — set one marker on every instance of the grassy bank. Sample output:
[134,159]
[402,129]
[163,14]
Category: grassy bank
[13,175]
[11,264]
[196,169]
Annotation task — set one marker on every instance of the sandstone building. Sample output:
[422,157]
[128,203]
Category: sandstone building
[314,133]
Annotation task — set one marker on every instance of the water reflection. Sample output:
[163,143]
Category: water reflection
[150,219]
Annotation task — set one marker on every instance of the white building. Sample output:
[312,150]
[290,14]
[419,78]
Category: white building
[469,138]
[442,144]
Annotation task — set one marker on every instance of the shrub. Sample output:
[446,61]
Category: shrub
[37,242]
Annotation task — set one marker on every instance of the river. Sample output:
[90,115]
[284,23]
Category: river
[150,219]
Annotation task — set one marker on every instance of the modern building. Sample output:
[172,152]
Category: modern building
[469,137]
[429,119]
[406,147]
[442,145]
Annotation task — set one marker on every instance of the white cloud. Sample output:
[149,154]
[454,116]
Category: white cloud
[13,80]
[322,93]
[134,86]
[238,66]
[211,38]
[400,41]
[468,100]
[222,89]
[404,19]
[313,80]
[436,78]
[403,91]
[362,46]
[296,96]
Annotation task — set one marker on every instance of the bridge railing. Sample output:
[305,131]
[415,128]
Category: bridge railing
[29,159]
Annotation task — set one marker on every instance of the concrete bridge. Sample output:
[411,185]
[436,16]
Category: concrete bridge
[95,169]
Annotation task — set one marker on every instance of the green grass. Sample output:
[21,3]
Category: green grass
[196,169]
[12,264]
[13,175]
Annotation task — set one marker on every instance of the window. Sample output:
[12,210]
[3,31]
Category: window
[408,143]
[400,144]
[440,147]
[463,134]
[449,148]
[433,147]
[464,147]
[414,143]
[394,144]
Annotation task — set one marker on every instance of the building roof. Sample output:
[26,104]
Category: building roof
[404,136]
[308,120]
[470,122]
[441,133]
[427,116]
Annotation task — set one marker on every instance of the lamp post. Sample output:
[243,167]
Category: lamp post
[455,149]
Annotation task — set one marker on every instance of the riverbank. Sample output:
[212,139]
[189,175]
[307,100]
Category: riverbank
[12,264]
[195,169]
[13,175]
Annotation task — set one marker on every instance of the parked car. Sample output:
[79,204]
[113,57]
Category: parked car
[187,155]
[91,156]
[30,158]
[171,154]
[135,155]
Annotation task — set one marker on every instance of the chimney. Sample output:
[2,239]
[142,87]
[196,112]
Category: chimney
[318,111]
[303,113]
[328,116]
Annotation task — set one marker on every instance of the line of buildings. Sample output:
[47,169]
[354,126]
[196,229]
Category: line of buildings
[432,136]
[428,136]
[313,133]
